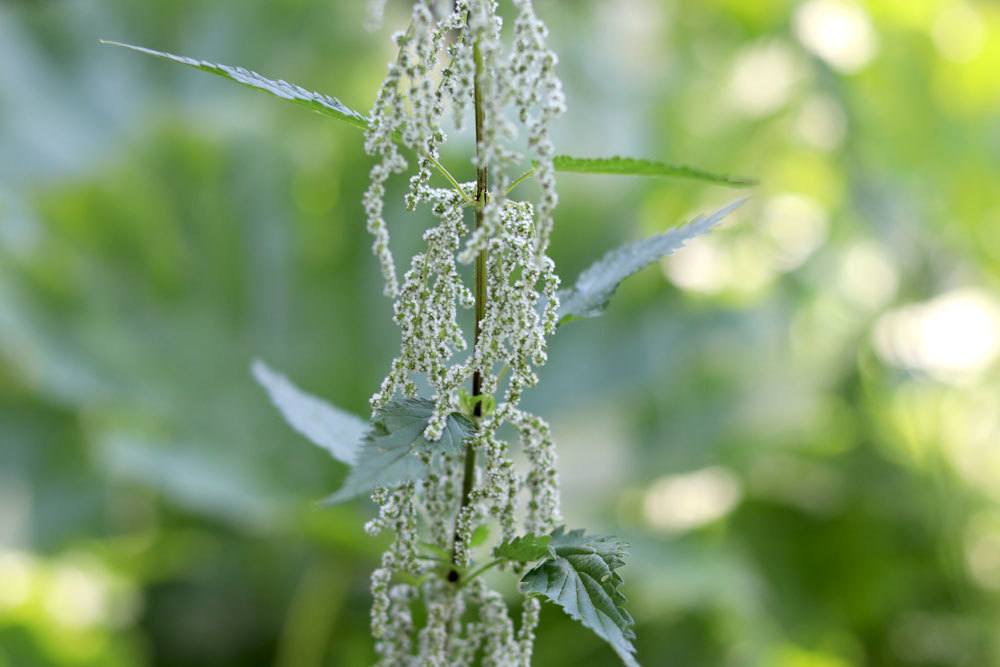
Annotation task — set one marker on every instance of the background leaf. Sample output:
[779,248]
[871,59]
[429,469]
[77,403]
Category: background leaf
[333,429]
[388,454]
[582,578]
[590,294]
[627,166]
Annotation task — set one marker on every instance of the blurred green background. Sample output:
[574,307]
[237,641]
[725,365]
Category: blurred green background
[795,421]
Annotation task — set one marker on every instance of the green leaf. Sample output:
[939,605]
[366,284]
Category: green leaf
[479,535]
[635,167]
[324,104]
[333,429]
[525,549]
[592,291]
[189,475]
[390,451]
[581,577]
[318,102]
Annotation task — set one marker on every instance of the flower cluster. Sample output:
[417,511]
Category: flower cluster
[516,306]
[426,311]
[408,109]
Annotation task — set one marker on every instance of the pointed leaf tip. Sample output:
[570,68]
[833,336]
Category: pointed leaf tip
[324,104]
[594,288]
[338,432]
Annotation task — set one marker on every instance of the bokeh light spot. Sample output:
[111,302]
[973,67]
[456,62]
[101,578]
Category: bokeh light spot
[837,31]
[950,337]
[677,503]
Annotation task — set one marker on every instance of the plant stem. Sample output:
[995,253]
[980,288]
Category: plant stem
[454,183]
[482,185]
[485,568]
[520,179]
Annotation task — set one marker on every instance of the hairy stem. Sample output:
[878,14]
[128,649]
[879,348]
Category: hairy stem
[482,184]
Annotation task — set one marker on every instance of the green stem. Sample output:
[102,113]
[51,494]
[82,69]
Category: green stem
[520,179]
[454,183]
[485,568]
[482,185]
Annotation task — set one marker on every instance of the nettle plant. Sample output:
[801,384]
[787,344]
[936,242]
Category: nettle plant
[436,456]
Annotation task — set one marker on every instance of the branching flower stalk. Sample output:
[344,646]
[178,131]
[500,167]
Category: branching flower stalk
[434,458]
[513,277]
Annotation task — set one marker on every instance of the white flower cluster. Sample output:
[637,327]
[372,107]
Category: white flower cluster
[526,82]
[408,109]
[512,333]
[426,312]
[518,309]
[542,478]
[397,510]
[376,12]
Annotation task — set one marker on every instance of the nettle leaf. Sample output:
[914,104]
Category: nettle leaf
[581,577]
[628,166]
[333,429]
[525,549]
[592,291]
[324,104]
[390,450]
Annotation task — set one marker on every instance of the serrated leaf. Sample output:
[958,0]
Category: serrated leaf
[390,449]
[333,429]
[324,104]
[592,291]
[582,578]
[636,167]
[525,549]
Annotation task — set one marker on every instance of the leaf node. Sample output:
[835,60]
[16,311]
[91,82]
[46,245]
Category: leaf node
[391,451]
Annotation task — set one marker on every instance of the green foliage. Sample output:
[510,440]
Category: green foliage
[336,431]
[318,102]
[627,166]
[592,291]
[334,108]
[479,536]
[390,452]
[525,549]
[581,576]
